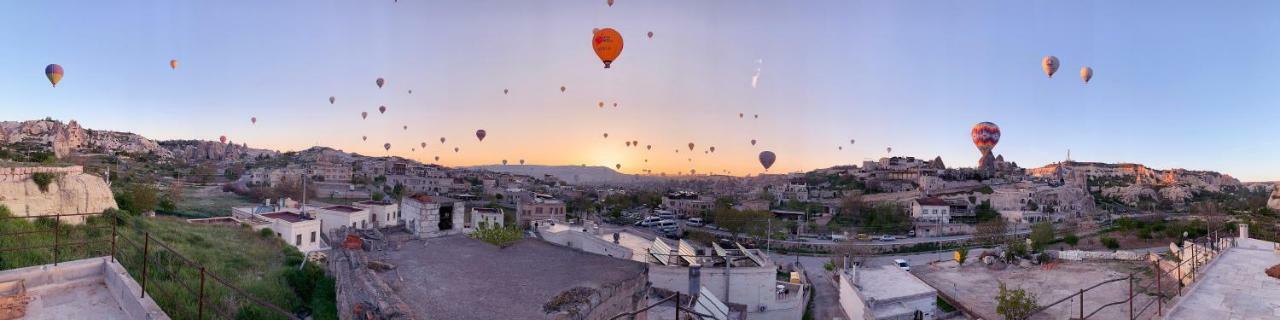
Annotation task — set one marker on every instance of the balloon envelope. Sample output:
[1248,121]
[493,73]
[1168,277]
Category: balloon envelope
[1050,65]
[424,144]
[608,45]
[380,82]
[1086,73]
[691,146]
[767,158]
[386,146]
[753,142]
[254,120]
[650,34]
[382,109]
[480,134]
[331,99]
[54,73]
[985,136]
[562,88]
[364,115]
[173,64]
[441,139]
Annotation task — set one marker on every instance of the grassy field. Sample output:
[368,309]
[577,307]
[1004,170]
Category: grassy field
[258,263]
[210,201]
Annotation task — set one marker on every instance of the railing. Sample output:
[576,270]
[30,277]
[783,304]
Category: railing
[1163,293]
[186,289]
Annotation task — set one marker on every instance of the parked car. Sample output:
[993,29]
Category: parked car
[863,236]
[838,237]
[887,238]
[695,222]
[665,224]
[650,221]
[902,264]
[711,226]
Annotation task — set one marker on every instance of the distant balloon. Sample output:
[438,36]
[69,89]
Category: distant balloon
[522,162]
[610,2]
[413,149]
[364,138]
[693,171]
[648,147]
[437,158]
[504,162]
[600,104]
[607,44]
[441,139]
[1050,65]
[364,115]
[1086,73]
[253,120]
[739,115]
[331,99]
[650,34]
[387,146]
[380,82]
[54,73]
[888,150]
[455,149]
[382,109]
[766,159]
[646,160]
[619,166]
[851,141]
[839,147]
[753,142]
[222,139]
[410,91]
[606,135]
[562,88]
[691,146]
[756,116]
[480,134]
[615,104]
[504,91]
[713,149]
[173,64]
[628,143]
[424,144]
[635,143]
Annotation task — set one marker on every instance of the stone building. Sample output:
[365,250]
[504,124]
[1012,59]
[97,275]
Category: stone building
[428,216]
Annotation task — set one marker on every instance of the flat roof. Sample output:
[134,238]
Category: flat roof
[342,208]
[436,272]
[93,288]
[890,282]
[286,216]
[374,203]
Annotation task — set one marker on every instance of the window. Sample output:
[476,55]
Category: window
[313,237]
[362,225]
[297,240]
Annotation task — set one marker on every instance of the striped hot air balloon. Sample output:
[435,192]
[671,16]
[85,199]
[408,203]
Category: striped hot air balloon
[54,73]
[985,136]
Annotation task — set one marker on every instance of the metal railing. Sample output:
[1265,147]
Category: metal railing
[1208,244]
[184,288]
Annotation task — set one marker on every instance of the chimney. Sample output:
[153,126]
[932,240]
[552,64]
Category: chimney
[1244,230]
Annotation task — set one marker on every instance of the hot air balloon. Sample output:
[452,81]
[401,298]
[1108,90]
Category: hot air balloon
[364,138]
[364,115]
[635,143]
[504,91]
[650,34]
[455,149]
[985,136]
[606,135]
[888,149]
[691,146]
[382,109]
[413,149]
[387,146]
[628,143]
[522,162]
[839,147]
[222,139]
[1050,65]
[331,99]
[767,158]
[756,116]
[600,104]
[619,166]
[615,104]
[54,73]
[646,160]
[480,134]
[562,88]
[648,147]
[173,64]
[424,144]
[437,158]
[1086,73]
[851,141]
[693,171]
[253,120]
[610,2]
[753,142]
[380,82]
[410,91]
[739,115]
[504,162]
[406,127]
[441,139]
[607,44]
[713,149]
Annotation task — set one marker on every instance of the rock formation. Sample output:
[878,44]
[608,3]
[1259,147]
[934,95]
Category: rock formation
[1274,201]
[63,139]
[70,191]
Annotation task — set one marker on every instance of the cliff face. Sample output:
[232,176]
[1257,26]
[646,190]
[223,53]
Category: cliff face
[1274,201]
[71,191]
[63,139]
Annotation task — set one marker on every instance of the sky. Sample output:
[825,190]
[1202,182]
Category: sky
[1177,84]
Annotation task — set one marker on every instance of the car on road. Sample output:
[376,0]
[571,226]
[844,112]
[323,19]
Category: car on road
[838,237]
[650,221]
[711,226]
[902,264]
[887,238]
[695,222]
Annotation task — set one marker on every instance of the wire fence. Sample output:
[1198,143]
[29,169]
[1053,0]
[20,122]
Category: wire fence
[182,287]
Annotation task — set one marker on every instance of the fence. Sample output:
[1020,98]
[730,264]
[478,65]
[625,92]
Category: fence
[183,288]
[1208,245]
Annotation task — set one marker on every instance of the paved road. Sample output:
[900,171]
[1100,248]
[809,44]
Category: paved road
[862,242]
[826,298]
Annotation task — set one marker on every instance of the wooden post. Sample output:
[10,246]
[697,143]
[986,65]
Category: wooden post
[1082,303]
[200,307]
[113,239]
[146,248]
[56,230]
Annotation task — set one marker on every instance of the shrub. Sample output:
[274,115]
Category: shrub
[1041,235]
[500,237]
[1110,243]
[266,233]
[1043,258]
[1071,239]
[1274,271]
[962,254]
[1016,303]
[42,180]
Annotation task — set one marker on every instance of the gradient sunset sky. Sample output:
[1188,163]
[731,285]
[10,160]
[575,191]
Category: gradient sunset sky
[1187,84]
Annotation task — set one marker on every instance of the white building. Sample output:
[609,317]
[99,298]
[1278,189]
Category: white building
[483,218]
[381,213]
[931,210]
[299,231]
[336,217]
[432,216]
[885,293]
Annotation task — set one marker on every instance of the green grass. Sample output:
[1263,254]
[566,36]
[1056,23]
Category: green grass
[944,306]
[264,266]
[211,203]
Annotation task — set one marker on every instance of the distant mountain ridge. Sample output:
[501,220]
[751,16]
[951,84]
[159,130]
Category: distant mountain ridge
[570,174]
[67,138]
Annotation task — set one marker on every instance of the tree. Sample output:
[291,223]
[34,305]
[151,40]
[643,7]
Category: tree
[1071,239]
[1015,248]
[1041,235]
[742,222]
[1110,243]
[990,231]
[138,198]
[1016,303]
[962,254]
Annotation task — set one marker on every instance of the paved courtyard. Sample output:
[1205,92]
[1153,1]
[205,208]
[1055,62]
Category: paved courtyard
[1235,287]
[975,286]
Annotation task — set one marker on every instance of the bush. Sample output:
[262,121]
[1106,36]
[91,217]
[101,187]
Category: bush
[500,237]
[1071,239]
[42,180]
[1016,303]
[962,254]
[1110,243]
[266,233]
[1043,258]
[1274,271]
[1041,235]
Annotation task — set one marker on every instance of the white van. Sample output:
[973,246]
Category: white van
[695,222]
[665,223]
[650,221]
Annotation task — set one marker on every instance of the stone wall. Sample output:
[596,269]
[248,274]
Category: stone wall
[71,192]
[1078,255]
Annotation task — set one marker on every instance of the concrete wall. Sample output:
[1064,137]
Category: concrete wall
[753,287]
[123,288]
[852,300]
[584,241]
[625,296]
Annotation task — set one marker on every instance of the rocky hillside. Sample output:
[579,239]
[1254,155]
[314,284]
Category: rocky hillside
[64,139]
[570,174]
[1133,184]
[38,191]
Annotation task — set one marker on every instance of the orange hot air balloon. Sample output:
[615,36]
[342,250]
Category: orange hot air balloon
[173,64]
[607,44]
